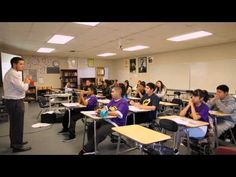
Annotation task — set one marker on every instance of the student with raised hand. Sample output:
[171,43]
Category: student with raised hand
[119,108]
[141,90]
[197,109]
[149,101]
[160,89]
[225,103]
[128,88]
[90,101]
[68,88]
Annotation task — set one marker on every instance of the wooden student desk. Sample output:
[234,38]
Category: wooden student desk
[163,103]
[134,110]
[139,134]
[134,98]
[186,122]
[70,106]
[100,96]
[104,101]
[94,117]
[58,95]
[215,115]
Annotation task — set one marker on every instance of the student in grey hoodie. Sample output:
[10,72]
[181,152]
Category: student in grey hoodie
[225,103]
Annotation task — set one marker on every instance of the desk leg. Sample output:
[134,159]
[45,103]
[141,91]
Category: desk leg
[188,142]
[50,105]
[118,145]
[95,136]
[85,122]
[133,118]
[216,132]
[69,112]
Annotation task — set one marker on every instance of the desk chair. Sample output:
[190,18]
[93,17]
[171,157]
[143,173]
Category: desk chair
[230,134]
[223,150]
[177,94]
[180,105]
[43,104]
[203,145]
[159,148]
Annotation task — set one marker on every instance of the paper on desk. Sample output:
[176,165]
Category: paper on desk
[73,105]
[38,125]
[181,121]
[133,108]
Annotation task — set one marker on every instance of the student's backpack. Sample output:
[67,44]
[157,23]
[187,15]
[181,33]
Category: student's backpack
[158,149]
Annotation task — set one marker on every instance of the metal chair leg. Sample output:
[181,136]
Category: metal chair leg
[232,135]
[188,142]
[39,114]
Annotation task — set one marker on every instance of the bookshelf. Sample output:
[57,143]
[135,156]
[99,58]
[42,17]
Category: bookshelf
[69,75]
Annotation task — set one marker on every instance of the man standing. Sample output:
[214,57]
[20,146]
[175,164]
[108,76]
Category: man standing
[14,93]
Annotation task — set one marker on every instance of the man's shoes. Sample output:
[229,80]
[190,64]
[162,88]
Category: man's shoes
[24,143]
[21,149]
[63,131]
[82,152]
[69,139]
[176,152]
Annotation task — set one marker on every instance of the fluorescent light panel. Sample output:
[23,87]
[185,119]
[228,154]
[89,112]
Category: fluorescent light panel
[106,54]
[88,23]
[189,36]
[137,47]
[60,39]
[45,50]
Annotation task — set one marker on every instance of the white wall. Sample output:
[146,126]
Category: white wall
[41,63]
[204,67]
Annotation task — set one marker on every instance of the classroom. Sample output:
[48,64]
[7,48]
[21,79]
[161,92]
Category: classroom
[117,88]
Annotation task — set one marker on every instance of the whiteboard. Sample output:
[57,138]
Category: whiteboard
[174,76]
[208,75]
[86,72]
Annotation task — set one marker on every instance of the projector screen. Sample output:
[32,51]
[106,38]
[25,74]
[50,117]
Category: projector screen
[6,65]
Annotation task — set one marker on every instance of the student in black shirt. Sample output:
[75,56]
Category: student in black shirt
[106,91]
[149,101]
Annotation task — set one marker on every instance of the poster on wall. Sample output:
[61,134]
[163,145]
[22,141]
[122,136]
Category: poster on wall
[132,65]
[90,62]
[142,64]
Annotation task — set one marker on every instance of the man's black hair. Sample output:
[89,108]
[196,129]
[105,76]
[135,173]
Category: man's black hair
[223,88]
[15,60]
[151,86]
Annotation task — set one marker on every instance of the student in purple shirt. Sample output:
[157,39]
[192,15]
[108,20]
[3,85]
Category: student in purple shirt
[90,101]
[197,109]
[117,107]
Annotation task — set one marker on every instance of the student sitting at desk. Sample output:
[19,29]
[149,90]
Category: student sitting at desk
[128,88]
[106,91]
[197,109]
[68,88]
[117,107]
[160,89]
[90,101]
[225,103]
[141,90]
[149,101]
[138,83]
[123,94]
